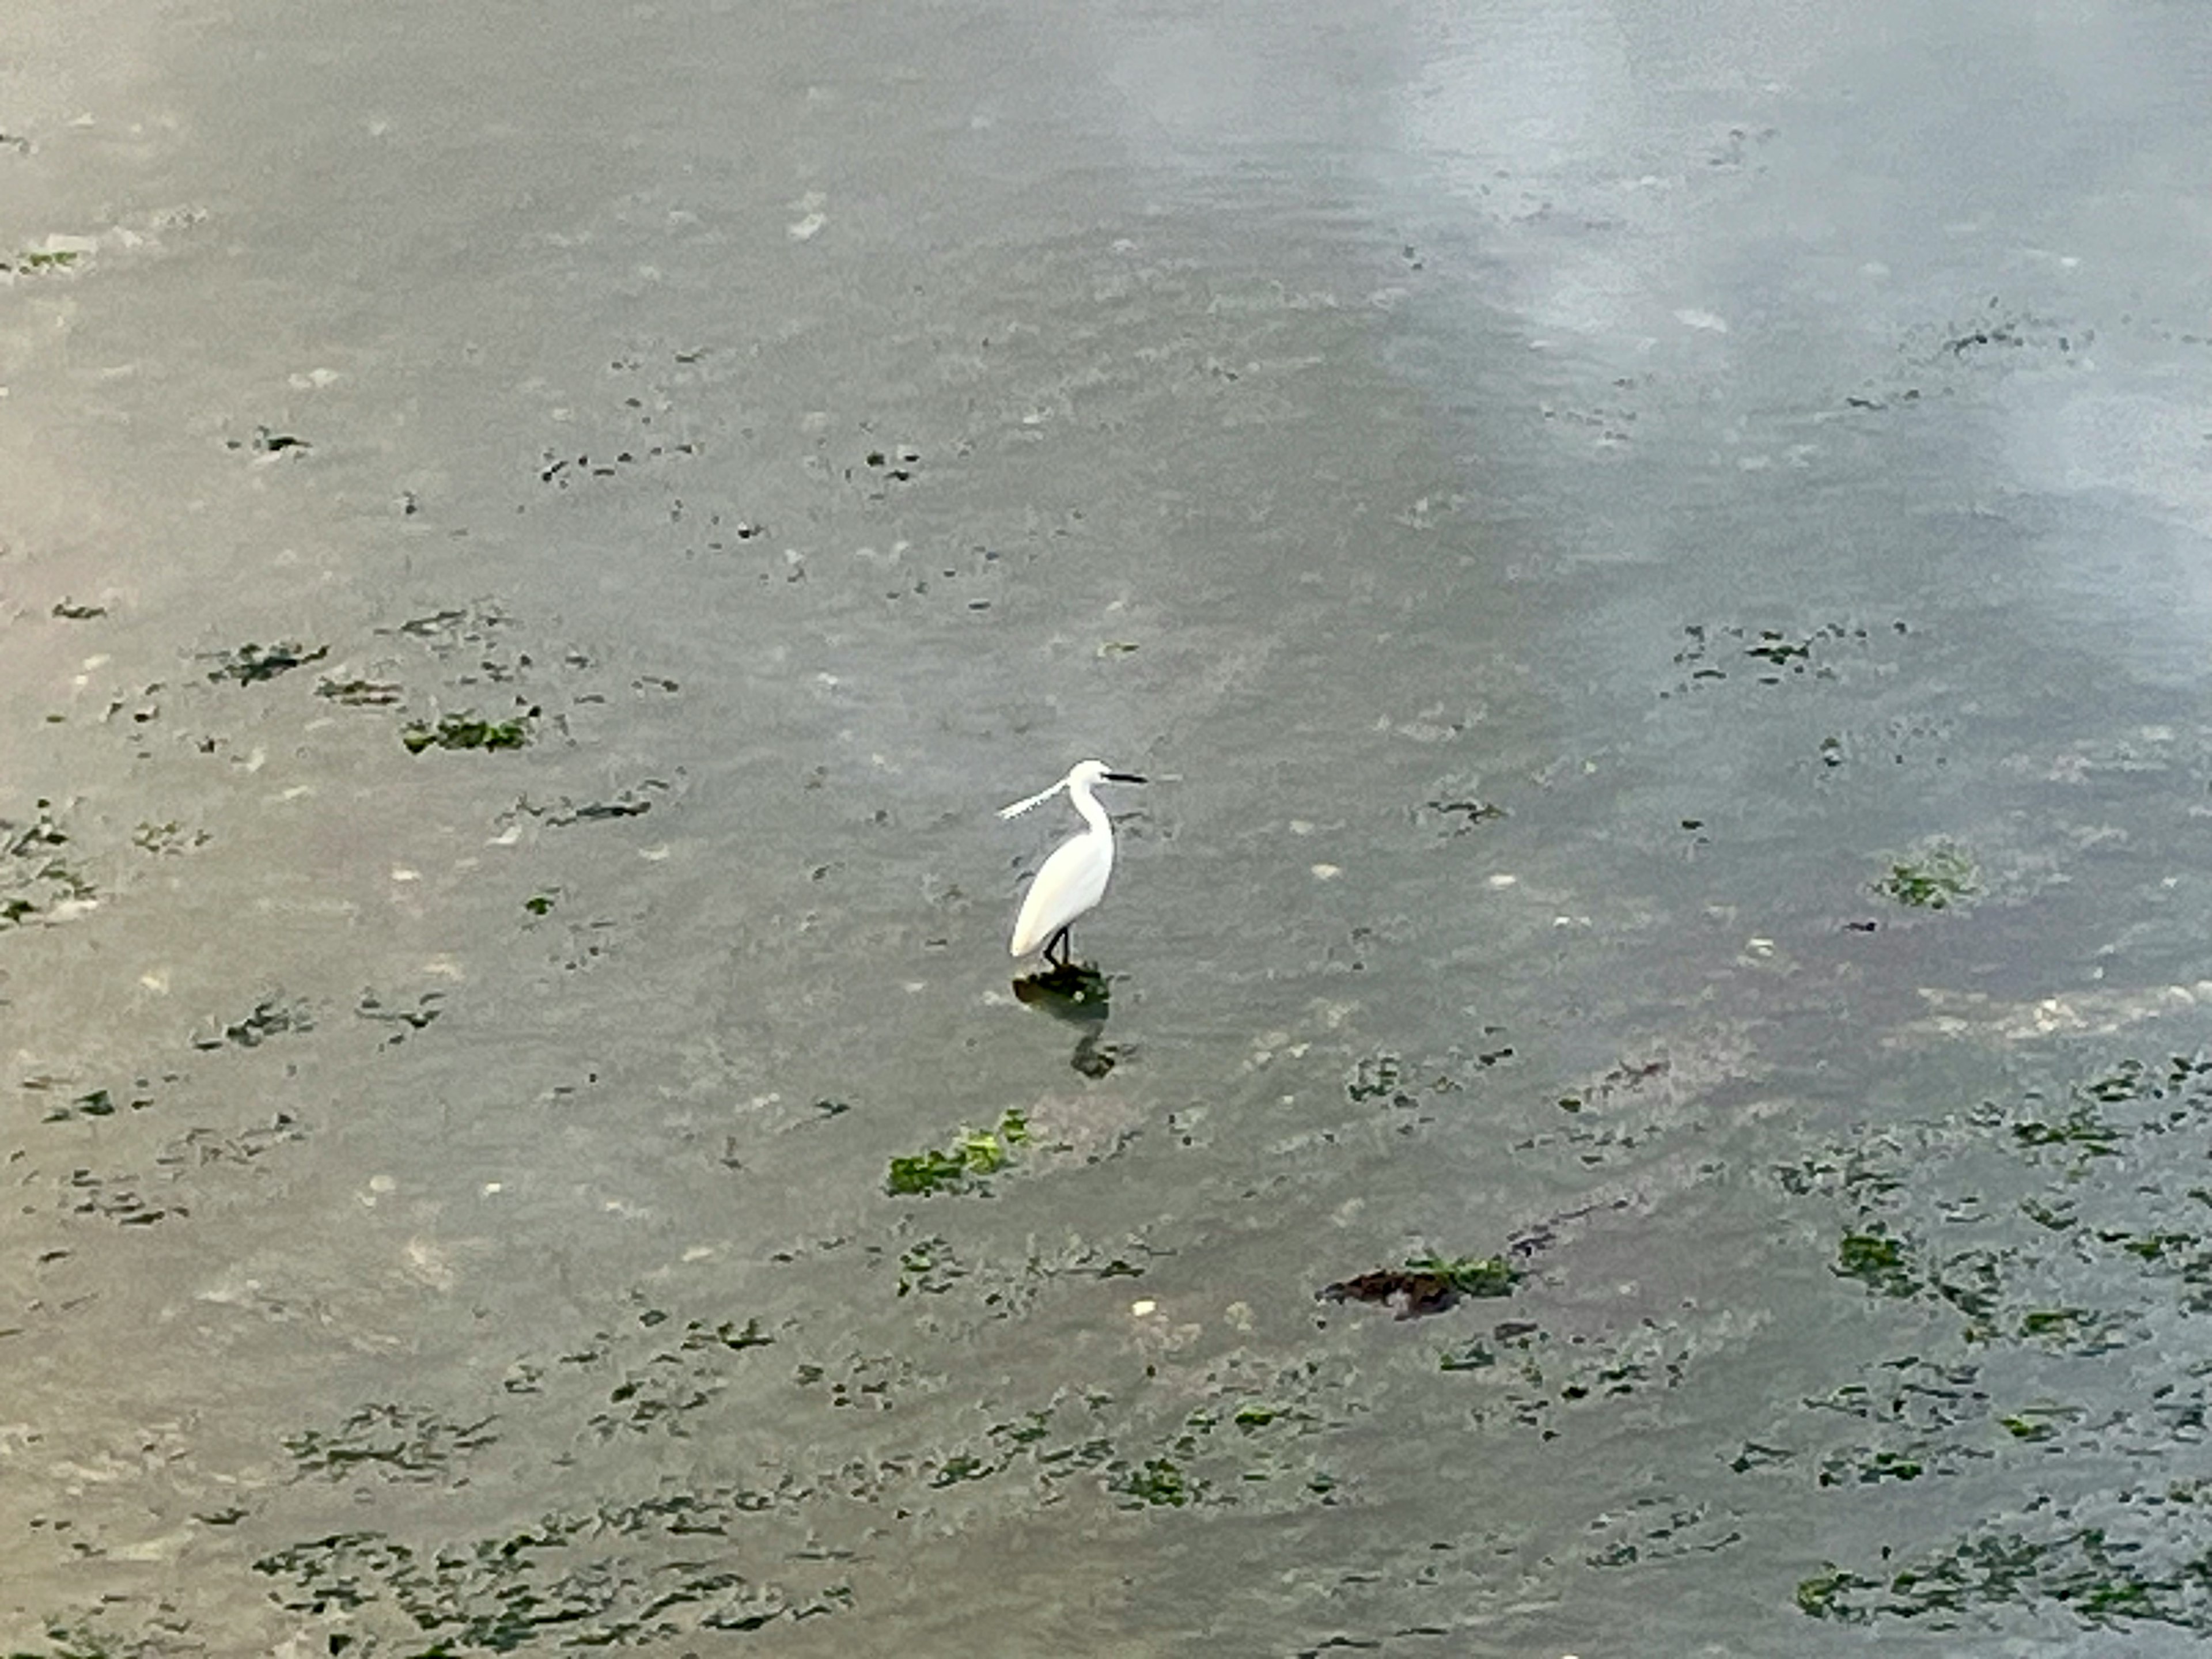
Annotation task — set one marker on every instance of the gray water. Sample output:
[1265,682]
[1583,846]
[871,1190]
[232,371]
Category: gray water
[1654,556]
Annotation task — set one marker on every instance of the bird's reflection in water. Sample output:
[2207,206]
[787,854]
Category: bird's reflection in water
[1075,990]
[1092,1058]
[1081,995]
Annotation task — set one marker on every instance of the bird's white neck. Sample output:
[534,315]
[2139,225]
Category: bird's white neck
[1087,804]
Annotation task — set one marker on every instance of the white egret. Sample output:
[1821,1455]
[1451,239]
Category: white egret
[1074,878]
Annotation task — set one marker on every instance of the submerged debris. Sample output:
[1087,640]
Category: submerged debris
[170,837]
[623,805]
[265,442]
[1428,1284]
[100,1103]
[405,1021]
[630,801]
[1711,651]
[359,693]
[399,1443]
[1461,813]
[34,881]
[251,664]
[271,1017]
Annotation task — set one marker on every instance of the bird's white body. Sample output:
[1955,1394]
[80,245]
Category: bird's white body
[1074,877]
[1073,881]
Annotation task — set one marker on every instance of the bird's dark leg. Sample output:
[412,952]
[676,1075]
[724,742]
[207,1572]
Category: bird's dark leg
[1061,939]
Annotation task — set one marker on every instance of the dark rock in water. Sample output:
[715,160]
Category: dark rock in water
[1427,1285]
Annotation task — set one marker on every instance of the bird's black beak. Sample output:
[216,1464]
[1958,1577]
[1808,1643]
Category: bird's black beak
[1123,777]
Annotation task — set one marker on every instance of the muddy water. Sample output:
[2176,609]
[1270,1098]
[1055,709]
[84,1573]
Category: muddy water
[1652,555]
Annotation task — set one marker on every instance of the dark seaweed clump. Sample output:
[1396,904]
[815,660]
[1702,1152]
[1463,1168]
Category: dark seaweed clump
[266,440]
[1428,1284]
[251,664]
[402,1443]
[33,876]
[359,693]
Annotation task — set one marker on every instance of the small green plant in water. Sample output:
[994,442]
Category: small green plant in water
[1469,1275]
[1473,1356]
[2081,1128]
[2036,1423]
[2054,1322]
[466,731]
[1877,1260]
[1822,1597]
[974,1152]
[981,1151]
[1934,880]
[1159,1483]
[955,1470]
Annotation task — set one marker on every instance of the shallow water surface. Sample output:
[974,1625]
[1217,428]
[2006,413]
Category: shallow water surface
[1654,556]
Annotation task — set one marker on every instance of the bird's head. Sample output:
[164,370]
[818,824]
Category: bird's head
[1085,774]
[1090,772]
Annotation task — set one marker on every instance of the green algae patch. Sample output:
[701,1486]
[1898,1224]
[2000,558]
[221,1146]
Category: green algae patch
[590,1578]
[973,1155]
[1824,1596]
[1159,1483]
[466,731]
[2096,1576]
[1934,878]
[1470,1275]
[1878,1261]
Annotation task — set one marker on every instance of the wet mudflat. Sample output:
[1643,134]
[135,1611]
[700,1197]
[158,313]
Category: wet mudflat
[1648,1085]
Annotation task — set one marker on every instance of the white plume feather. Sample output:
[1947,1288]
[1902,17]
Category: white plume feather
[1037,799]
